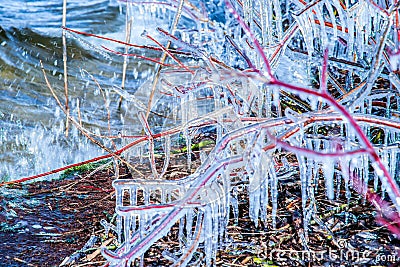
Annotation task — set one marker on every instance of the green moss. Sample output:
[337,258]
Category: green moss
[195,147]
[263,262]
[81,169]
[377,136]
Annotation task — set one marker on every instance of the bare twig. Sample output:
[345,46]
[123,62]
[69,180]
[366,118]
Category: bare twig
[164,56]
[64,41]
[128,30]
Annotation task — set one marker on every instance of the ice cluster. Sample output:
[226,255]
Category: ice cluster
[308,89]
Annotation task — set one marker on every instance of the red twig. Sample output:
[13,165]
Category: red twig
[111,39]
[323,85]
[122,42]
[170,54]
[242,54]
[138,56]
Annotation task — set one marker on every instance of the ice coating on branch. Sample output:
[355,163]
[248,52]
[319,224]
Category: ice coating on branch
[260,130]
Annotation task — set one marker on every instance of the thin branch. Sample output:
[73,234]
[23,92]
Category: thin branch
[64,42]
[164,56]
[128,30]
[138,56]
[169,54]
[323,85]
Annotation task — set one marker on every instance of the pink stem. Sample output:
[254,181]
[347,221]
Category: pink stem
[138,56]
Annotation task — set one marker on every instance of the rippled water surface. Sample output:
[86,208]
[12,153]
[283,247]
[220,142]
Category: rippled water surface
[31,125]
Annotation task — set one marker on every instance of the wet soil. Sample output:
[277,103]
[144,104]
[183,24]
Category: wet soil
[44,222]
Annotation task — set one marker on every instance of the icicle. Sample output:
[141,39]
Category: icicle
[127,232]
[350,41]
[268,102]
[119,194]
[192,106]
[255,153]
[264,190]
[393,161]
[181,237]
[235,205]
[189,223]
[322,28]
[167,152]
[274,194]
[308,176]
[248,11]
[175,108]
[328,166]
[376,182]
[188,148]
[218,105]
[339,10]
[306,29]
[208,230]
[338,185]
[116,168]
[119,228]
[276,100]
[360,23]
[278,19]
[152,158]
[388,111]
[216,227]
[303,178]
[317,144]
[367,32]
[365,173]
[184,108]
[332,16]
[309,211]
[254,192]
[226,194]
[266,20]
[146,195]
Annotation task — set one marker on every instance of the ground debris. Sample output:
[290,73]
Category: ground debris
[52,222]
[47,223]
